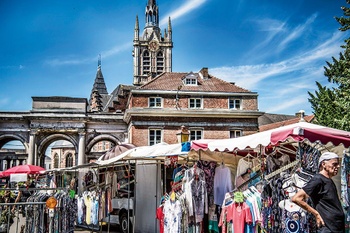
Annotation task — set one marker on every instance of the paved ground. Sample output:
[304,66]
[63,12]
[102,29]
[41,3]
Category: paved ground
[20,221]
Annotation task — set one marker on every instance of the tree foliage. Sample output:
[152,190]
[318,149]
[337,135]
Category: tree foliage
[331,106]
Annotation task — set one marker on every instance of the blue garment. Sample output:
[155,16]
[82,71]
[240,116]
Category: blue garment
[185,146]
[249,228]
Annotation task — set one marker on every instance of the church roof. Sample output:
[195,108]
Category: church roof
[99,83]
[171,81]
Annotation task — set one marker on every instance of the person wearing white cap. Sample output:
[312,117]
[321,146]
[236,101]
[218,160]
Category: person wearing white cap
[321,189]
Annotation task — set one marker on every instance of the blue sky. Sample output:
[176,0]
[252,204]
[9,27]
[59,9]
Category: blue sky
[273,47]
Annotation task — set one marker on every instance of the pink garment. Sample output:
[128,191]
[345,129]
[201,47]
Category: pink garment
[222,220]
[241,215]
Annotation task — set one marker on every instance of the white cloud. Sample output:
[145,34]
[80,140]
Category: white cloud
[184,9]
[287,104]
[272,27]
[296,32]
[282,86]
[116,49]
[250,76]
[77,61]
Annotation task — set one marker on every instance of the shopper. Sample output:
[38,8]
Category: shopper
[321,189]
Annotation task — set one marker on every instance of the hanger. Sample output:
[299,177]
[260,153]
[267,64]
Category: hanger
[222,159]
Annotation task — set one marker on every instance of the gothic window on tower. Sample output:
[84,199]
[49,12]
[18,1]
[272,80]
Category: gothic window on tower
[160,63]
[235,103]
[155,102]
[155,136]
[146,62]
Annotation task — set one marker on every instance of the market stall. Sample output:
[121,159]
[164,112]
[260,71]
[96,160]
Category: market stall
[289,156]
[195,186]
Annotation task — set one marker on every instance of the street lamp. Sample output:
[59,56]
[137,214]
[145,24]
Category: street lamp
[183,135]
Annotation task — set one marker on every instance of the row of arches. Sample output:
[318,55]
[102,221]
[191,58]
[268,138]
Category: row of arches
[56,150]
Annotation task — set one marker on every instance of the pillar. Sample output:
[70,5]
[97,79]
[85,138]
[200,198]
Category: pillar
[81,149]
[31,152]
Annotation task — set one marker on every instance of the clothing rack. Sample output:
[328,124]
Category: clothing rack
[282,169]
[258,173]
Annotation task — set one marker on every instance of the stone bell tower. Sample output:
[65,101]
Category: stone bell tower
[153,50]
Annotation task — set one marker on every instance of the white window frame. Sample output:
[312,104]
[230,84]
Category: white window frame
[194,134]
[234,103]
[190,81]
[155,102]
[236,133]
[195,102]
[152,141]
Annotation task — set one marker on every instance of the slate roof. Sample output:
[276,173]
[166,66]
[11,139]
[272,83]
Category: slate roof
[170,81]
[269,118]
[118,97]
[99,83]
[275,125]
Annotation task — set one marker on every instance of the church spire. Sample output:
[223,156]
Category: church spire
[152,3]
[152,17]
[99,83]
[98,89]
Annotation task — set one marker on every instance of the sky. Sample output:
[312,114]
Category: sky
[275,48]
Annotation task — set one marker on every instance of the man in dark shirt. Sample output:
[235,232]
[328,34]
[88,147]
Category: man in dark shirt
[323,193]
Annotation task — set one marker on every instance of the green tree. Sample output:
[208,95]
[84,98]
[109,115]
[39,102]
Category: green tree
[331,106]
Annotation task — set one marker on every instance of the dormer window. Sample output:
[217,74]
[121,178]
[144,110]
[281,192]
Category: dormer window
[190,80]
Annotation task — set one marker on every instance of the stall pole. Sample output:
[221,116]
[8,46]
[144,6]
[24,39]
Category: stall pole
[129,168]
[157,191]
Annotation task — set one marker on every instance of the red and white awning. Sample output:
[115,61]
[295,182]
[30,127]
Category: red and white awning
[295,132]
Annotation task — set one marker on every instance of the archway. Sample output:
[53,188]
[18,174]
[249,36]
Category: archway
[44,144]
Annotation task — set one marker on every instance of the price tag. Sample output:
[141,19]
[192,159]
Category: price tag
[51,213]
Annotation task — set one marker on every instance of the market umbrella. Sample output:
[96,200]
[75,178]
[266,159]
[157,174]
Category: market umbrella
[116,150]
[23,169]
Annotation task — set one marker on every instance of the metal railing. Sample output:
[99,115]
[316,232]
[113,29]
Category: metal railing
[14,217]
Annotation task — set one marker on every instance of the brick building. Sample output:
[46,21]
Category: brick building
[160,101]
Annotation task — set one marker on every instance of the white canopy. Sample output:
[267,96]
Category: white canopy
[158,150]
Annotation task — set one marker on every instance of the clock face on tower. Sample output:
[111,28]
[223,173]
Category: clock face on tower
[153,45]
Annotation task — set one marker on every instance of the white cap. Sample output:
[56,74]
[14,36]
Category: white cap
[326,156]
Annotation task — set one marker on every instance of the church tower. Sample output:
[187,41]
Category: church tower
[98,90]
[152,51]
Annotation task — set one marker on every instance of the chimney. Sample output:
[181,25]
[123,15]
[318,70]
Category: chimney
[204,72]
[301,115]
